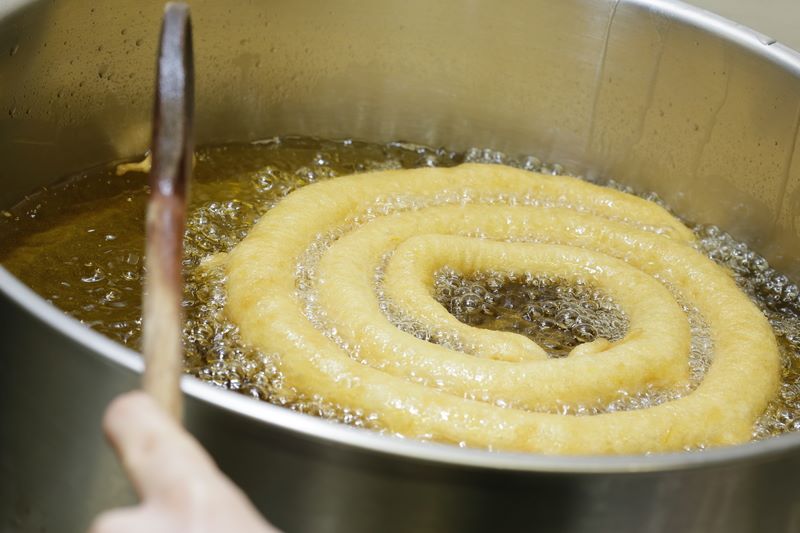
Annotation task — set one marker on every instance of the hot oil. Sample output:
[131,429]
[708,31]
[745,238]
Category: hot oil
[80,243]
[556,314]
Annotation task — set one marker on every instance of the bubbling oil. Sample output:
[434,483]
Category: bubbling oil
[556,314]
[89,228]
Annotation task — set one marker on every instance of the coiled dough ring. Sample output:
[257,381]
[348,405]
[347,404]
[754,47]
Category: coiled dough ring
[503,393]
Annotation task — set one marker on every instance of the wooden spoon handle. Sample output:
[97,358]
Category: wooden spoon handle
[170,172]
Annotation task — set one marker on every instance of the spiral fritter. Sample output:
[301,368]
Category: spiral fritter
[503,393]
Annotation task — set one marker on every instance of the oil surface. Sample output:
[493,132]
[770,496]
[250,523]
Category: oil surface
[80,242]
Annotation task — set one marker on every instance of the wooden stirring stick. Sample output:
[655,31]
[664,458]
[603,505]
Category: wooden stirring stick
[171,151]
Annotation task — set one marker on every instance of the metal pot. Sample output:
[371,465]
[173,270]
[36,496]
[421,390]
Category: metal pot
[652,92]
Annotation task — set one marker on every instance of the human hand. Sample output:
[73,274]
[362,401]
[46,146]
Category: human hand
[180,487]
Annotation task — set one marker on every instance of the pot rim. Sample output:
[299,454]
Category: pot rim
[311,427]
[763,46]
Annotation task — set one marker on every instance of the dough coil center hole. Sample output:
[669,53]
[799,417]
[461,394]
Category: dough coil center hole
[555,313]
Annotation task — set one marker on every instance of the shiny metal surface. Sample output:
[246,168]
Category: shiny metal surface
[653,93]
[775,18]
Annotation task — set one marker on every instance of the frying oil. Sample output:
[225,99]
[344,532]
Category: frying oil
[80,244]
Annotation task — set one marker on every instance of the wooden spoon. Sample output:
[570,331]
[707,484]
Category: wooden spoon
[171,168]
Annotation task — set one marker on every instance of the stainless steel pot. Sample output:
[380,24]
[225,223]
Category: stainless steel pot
[653,93]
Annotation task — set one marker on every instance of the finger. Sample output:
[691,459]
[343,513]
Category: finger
[129,520]
[157,453]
